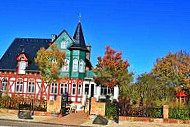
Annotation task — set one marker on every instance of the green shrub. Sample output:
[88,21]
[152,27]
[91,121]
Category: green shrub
[177,113]
[110,110]
[4,101]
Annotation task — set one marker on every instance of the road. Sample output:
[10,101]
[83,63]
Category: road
[7,123]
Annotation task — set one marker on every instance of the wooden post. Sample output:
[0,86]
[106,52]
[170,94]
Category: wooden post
[42,90]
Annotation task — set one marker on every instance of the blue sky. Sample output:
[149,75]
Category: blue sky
[143,30]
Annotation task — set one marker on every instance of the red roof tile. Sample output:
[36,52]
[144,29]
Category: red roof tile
[181,94]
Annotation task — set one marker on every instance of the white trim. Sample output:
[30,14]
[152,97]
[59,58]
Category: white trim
[75,65]
[73,89]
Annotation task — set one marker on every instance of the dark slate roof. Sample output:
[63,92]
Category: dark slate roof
[88,64]
[79,42]
[30,46]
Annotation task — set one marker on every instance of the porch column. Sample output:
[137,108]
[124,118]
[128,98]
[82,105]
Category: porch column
[116,92]
[98,92]
[89,91]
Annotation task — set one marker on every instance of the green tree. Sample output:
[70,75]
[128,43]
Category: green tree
[174,70]
[149,89]
[50,62]
[112,70]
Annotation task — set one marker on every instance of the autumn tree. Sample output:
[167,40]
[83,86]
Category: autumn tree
[112,70]
[49,62]
[149,89]
[174,69]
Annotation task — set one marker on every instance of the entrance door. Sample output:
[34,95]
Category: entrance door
[92,90]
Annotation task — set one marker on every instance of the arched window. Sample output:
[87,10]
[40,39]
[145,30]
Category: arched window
[63,44]
[66,66]
[75,65]
[79,89]
[54,88]
[74,89]
[19,86]
[31,86]
[63,88]
[81,66]
[4,84]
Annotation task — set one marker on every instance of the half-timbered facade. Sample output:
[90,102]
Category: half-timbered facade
[19,75]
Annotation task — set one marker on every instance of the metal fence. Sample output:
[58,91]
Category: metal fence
[142,112]
[177,113]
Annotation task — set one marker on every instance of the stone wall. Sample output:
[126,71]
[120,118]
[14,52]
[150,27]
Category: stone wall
[97,108]
[54,106]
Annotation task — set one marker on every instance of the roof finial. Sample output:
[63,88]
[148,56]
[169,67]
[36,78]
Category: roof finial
[79,17]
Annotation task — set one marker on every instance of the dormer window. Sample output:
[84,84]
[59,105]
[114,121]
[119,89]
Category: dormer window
[63,44]
[22,63]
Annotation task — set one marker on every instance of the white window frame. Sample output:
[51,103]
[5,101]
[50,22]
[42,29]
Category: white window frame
[54,88]
[66,67]
[63,88]
[19,86]
[31,85]
[81,65]
[74,89]
[63,44]
[79,89]
[108,90]
[22,65]
[75,65]
[87,87]
[4,83]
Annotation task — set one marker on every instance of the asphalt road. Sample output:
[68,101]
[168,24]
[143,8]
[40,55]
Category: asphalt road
[6,123]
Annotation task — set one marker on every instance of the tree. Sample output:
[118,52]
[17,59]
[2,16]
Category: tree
[149,89]
[111,70]
[174,69]
[50,62]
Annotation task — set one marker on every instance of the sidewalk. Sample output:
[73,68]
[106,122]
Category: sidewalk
[81,119]
[135,124]
[75,119]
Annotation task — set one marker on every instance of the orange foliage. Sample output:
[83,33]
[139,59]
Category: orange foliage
[110,68]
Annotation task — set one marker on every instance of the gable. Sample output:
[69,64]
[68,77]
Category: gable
[63,42]
[22,57]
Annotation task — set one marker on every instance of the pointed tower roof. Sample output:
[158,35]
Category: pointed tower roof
[79,42]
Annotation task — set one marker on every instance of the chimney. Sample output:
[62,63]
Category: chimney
[53,37]
[88,52]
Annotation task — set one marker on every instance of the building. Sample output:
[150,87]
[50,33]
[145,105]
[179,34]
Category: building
[19,75]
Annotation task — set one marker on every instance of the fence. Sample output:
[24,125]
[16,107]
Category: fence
[112,110]
[178,113]
[142,112]
[13,103]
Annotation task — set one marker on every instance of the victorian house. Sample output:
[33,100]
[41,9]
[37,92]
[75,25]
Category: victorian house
[19,75]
